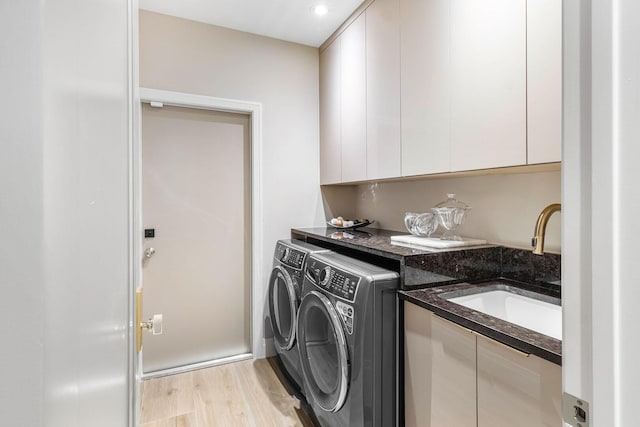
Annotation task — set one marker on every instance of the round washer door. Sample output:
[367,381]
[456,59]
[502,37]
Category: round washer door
[323,352]
[283,305]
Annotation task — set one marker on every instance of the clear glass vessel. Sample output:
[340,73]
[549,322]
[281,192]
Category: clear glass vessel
[451,214]
[420,224]
[409,220]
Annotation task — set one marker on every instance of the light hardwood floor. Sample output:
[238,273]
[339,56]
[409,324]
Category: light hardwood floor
[247,393]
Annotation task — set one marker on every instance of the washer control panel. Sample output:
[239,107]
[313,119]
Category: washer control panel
[290,257]
[346,312]
[339,283]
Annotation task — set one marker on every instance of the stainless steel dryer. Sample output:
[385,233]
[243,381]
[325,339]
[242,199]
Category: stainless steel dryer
[289,261]
[347,341]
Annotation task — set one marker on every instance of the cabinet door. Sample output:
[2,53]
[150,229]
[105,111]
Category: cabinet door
[544,81]
[488,83]
[453,381]
[440,371]
[330,115]
[417,363]
[383,89]
[425,86]
[353,93]
[515,389]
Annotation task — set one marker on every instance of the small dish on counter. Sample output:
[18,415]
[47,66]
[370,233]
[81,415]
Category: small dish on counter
[352,225]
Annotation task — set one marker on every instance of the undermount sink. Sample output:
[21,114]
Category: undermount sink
[540,313]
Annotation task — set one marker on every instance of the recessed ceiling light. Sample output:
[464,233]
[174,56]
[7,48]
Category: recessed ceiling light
[320,9]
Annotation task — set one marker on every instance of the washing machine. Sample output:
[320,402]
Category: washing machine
[289,262]
[347,338]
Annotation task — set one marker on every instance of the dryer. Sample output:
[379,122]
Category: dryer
[285,283]
[347,338]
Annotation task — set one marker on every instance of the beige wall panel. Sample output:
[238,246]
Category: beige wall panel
[383,89]
[338,200]
[504,207]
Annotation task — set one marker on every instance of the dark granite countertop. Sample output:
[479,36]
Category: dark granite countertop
[515,336]
[426,273]
[427,267]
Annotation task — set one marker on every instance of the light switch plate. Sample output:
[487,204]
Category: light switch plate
[575,411]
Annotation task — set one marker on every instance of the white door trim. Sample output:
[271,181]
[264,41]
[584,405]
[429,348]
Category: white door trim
[254,110]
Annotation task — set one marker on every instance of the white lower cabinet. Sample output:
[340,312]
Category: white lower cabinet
[455,377]
[440,371]
[515,389]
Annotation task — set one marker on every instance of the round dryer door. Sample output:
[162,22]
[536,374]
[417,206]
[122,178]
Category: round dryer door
[283,305]
[323,352]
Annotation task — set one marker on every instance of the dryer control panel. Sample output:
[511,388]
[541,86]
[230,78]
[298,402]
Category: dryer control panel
[290,257]
[339,283]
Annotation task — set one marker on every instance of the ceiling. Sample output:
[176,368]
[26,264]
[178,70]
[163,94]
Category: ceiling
[291,20]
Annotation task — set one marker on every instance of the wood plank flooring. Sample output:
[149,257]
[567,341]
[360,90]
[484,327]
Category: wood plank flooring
[246,393]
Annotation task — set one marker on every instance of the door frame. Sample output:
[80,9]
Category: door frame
[187,100]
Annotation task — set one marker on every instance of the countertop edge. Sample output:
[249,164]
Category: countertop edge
[347,244]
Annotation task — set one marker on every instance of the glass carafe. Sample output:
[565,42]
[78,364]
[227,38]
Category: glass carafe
[451,214]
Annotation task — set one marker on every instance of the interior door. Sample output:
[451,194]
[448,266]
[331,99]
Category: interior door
[196,216]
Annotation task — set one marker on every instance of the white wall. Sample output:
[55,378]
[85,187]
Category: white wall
[21,215]
[86,205]
[577,343]
[191,57]
[64,206]
[601,109]
[504,208]
[624,143]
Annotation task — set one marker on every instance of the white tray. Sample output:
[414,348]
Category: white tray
[434,242]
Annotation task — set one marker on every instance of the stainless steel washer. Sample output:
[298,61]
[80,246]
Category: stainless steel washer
[289,262]
[347,337]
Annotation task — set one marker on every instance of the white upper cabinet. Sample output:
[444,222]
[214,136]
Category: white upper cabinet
[417,87]
[360,99]
[488,84]
[330,115]
[383,89]
[544,81]
[353,94]
[425,86]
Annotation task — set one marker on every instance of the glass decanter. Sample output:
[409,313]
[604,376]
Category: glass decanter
[451,214]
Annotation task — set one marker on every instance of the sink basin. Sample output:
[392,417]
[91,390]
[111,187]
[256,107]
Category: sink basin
[540,313]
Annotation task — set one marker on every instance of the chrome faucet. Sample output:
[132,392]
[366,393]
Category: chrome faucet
[541,226]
